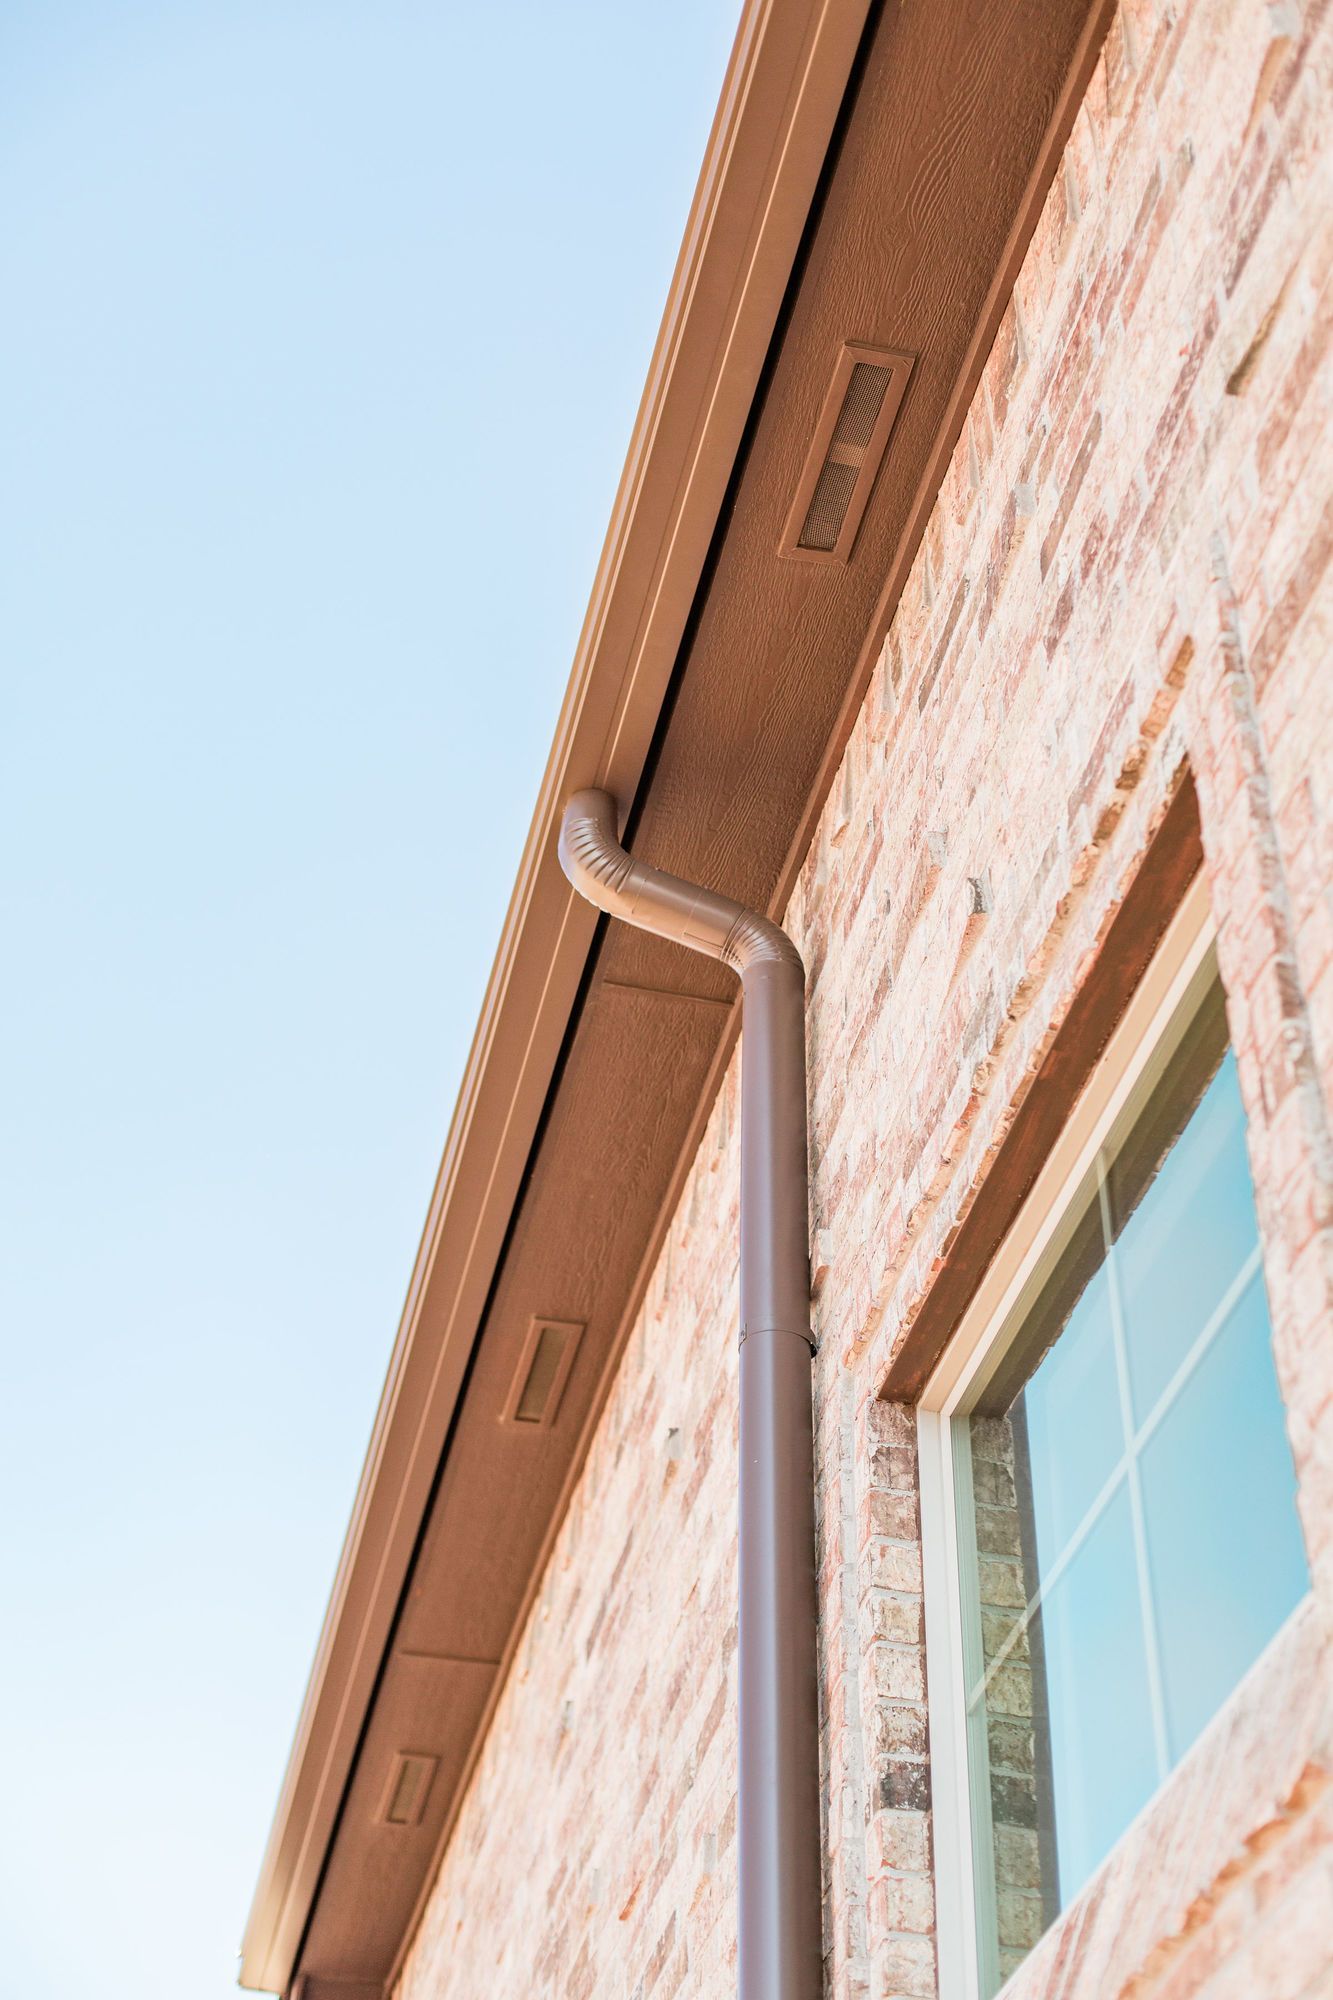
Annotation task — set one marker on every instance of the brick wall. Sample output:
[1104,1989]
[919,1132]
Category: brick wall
[1128,568]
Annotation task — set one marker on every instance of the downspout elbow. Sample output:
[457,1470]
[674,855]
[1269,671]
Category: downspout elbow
[653,900]
[591,854]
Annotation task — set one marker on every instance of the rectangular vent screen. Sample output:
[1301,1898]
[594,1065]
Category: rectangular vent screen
[408,1789]
[860,407]
[846,454]
[828,507]
[543,1370]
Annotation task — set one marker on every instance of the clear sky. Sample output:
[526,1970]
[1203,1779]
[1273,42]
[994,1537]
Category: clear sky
[324,325]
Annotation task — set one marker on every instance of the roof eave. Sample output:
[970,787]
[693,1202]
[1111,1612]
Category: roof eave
[780,99]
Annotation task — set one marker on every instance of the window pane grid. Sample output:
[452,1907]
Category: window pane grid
[1123,1498]
[1147,1612]
[1138,1439]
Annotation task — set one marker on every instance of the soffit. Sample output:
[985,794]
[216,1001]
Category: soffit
[958,116]
[781,95]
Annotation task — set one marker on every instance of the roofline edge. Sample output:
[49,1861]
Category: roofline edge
[783,89]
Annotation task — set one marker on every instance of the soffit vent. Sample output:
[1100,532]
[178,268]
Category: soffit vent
[849,443]
[408,1788]
[543,1370]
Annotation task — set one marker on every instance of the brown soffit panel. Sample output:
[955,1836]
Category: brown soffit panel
[778,653]
[780,99]
[773,660]
[360,1907]
[1154,896]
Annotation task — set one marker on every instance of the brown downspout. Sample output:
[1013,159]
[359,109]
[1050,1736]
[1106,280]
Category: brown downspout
[778,1797]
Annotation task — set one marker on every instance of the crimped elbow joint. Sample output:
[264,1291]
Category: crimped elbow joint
[652,900]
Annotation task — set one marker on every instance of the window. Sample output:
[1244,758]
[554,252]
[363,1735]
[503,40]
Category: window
[1116,1498]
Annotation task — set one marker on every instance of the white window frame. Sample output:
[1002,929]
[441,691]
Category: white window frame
[1175,981]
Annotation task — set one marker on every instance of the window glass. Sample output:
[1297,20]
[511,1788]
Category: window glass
[1217,1472]
[1179,1253]
[1128,1523]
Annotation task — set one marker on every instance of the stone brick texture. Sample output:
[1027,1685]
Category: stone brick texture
[1127,571]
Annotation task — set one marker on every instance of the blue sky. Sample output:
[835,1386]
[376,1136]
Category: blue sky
[324,330]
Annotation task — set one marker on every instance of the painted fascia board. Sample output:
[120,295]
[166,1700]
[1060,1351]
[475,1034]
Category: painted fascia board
[783,89]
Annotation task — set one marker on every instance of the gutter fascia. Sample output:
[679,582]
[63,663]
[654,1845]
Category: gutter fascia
[780,100]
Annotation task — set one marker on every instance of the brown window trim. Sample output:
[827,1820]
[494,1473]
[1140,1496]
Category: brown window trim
[1167,869]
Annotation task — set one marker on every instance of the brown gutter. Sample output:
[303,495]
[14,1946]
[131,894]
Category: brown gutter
[779,1934]
[780,100]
